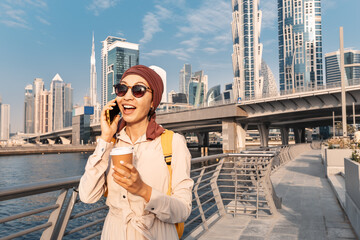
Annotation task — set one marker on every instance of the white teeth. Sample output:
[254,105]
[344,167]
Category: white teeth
[129,107]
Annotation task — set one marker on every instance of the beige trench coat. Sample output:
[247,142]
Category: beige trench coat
[130,217]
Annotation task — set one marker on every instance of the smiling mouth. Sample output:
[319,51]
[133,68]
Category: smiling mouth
[128,109]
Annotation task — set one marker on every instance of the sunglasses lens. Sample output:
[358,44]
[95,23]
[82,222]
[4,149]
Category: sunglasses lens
[121,90]
[138,91]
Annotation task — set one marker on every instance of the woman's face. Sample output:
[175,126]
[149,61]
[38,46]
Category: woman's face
[134,110]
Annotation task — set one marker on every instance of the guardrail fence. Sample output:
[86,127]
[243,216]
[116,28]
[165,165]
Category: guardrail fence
[224,184]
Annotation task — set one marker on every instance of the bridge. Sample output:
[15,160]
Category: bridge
[297,111]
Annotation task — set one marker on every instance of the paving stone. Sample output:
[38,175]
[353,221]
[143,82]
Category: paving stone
[256,230]
[340,233]
[246,237]
[282,237]
[285,230]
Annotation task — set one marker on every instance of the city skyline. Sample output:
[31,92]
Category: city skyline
[170,34]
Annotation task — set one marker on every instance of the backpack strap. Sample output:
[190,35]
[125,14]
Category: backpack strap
[166,143]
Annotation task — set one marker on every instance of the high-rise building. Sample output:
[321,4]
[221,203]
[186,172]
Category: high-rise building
[93,82]
[300,44]
[184,79]
[198,88]
[170,96]
[5,122]
[37,90]
[228,93]
[46,111]
[68,104]
[269,86]
[29,109]
[351,64]
[213,95]
[117,56]
[57,92]
[247,51]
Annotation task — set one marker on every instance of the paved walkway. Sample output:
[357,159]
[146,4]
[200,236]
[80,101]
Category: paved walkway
[310,209]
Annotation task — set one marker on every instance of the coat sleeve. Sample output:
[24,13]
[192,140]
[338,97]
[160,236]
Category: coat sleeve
[92,184]
[177,207]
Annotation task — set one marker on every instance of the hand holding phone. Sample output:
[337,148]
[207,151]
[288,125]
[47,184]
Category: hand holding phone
[111,114]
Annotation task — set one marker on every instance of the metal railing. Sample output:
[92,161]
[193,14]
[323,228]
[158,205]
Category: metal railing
[244,188]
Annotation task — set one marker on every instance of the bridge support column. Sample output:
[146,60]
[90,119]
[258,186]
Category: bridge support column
[299,135]
[264,134]
[203,140]
[233,135]
[284,135]
[81,129]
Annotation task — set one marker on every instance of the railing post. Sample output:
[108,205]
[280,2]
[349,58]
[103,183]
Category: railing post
[66,216]
[215,189]
[54,216]
[202,214]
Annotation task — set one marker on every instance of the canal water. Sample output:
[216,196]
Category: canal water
[23,169]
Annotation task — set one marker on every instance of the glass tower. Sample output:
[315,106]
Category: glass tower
[29,109]
[57,92]
[184,79]
[300,45]
[117,56]
[247,51]
[68,104]
[351,64]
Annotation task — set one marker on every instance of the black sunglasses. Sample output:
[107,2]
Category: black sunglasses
[137,90]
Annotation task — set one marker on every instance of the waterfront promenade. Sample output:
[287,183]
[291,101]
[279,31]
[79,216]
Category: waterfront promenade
[45,149]
[310,209]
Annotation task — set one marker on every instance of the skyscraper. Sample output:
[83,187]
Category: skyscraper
[332,67]
[68,104]
[93,76]
[247,51]
[117,56]
[38,88]
[269,86]
[198,88]
[5,122]
[57,92]
[300,44]
[46,112]
[184,79]
[29,109]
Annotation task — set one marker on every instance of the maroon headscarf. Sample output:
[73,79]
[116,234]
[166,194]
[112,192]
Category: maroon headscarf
[156,84]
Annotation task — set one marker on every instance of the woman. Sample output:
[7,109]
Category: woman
[138,205]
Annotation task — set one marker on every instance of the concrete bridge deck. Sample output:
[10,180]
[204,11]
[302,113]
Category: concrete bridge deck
[310,209]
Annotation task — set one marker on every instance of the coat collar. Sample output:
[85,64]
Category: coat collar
[122,135]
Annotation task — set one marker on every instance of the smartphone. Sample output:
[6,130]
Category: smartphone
[111,114]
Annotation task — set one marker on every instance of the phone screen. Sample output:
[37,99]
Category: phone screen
[111,114]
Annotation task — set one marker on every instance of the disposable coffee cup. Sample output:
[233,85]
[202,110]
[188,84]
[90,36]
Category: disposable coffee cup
[124,154]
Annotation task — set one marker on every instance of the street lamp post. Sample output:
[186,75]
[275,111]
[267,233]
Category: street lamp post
[343,93]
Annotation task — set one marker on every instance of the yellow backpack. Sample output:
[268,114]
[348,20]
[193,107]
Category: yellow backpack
[166,143]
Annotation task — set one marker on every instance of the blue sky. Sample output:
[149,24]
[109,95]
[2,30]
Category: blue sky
[40,38]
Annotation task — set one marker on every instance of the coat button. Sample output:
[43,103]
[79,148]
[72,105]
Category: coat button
[124,196]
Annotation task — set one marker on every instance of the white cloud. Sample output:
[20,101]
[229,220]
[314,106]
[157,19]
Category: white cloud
[213,16]
[269,13]
[151,23]
[13,13]
[120,33]
[211,50]
[42,20]
[179,53]
[100,5]
[13,17]
[193,42]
